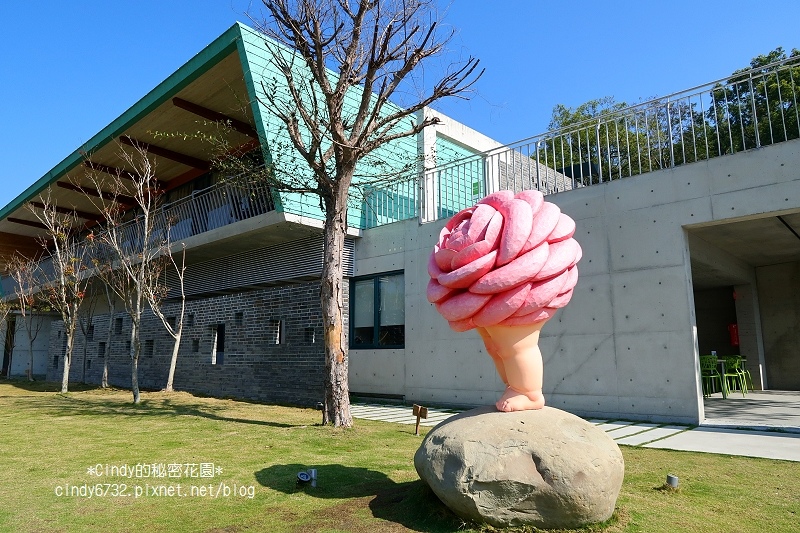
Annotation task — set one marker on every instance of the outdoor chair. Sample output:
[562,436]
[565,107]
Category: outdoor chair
[734,376]
[710,374]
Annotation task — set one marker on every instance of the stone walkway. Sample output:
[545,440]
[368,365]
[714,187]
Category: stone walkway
[709,439]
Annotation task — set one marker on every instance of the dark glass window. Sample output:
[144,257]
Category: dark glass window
[377,311]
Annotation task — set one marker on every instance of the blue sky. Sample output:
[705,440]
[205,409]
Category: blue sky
[67,69]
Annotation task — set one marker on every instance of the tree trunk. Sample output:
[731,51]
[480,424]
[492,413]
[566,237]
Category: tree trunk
[30,358]
[85,349]
[336,409]
[104,381]
[135,361]
[112,305]
[67,362]
[174,361]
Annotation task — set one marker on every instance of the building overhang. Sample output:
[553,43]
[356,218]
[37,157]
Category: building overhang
[170,122]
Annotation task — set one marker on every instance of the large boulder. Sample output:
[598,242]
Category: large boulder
[545,468]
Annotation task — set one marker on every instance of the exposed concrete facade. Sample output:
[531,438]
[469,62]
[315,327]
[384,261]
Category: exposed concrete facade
[15,349]
[626,346]
[779,286]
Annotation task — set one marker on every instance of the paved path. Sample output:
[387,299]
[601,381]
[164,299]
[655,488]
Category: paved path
[767,444]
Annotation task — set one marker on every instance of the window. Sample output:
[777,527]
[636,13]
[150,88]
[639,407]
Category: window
[101,349]
[118,325]
[90,333]
[190,320]
[218,346]
[276,332]
[195,345]
[238,319]
[377,311]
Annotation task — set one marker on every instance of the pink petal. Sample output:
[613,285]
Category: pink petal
[470,273]
[518,222]
[527,320]
[534,198]
[433,269]
[542,292]
[470,254]
[458,218]
[436,292]
[563,230]
[562,299]
[544,223]
[480,221]
[496,199]
[562,256]
[444,257]
[462,325]
[501,306]
[462,305]
[523,269]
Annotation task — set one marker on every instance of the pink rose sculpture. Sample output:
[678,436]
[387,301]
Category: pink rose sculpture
[504,267]
[509,260]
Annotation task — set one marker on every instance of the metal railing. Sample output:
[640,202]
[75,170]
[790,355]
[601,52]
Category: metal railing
[747,110]
[211,208]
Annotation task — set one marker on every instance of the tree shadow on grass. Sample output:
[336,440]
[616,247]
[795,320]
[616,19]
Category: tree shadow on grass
[76,405]
[44,386]
[411,505]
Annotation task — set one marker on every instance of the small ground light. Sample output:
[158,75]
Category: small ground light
[672,481]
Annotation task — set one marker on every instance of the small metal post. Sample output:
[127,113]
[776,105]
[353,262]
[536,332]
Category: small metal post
[419,412]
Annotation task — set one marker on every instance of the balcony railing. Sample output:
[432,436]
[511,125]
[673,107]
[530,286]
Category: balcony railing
[748,110]
[219,205]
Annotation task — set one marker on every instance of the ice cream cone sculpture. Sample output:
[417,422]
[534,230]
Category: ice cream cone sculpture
[505,266]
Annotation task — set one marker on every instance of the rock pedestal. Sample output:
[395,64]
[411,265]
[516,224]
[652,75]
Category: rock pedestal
[546,468]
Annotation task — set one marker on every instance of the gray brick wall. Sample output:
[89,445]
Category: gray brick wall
[254,366]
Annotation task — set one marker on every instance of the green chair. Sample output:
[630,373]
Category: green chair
[748,379]
[710,374]
[734,374]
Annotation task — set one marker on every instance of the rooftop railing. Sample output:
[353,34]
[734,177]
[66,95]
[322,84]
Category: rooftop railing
[748,110]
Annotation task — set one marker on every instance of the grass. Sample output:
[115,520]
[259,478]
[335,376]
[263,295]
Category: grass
[366,477]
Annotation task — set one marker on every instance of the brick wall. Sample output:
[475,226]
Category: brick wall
[254,366]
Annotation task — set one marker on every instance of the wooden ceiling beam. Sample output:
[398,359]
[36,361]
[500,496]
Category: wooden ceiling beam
[189,175]
[167,153]
[96,217]
[111,197]
[114,171]
[14,240]
[29,223]
[210,114]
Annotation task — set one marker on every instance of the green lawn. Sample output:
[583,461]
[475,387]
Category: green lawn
[50,442]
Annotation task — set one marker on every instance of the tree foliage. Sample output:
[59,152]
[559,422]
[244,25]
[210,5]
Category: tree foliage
[604,139]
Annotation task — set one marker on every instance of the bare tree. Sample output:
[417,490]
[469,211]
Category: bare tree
[155,294]
[132,258]
[332,96]
[23,271]
[65,275]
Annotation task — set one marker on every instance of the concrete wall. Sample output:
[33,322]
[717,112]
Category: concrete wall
[779,290]
[626,345]
[20,355]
